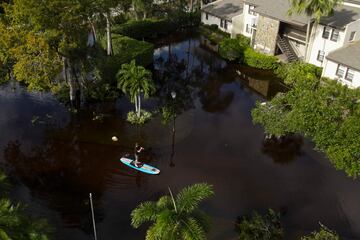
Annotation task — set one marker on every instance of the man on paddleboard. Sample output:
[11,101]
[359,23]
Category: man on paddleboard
[137,151]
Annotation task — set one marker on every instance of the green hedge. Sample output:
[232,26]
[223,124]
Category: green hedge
[233,48]
[259,60]
[125,49]
[152,28]
[213,33]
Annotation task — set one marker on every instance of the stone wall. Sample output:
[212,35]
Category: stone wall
[265,37]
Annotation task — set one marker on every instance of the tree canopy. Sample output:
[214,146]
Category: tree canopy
[175,218]
[323,110]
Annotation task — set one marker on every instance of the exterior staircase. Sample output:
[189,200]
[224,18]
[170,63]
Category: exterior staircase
[286,48]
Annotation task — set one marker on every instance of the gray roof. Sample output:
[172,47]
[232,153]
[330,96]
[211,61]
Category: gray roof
[347,55]
[278,9]
[226,9]
[342,16]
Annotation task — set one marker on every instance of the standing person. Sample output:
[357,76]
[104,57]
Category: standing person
[137,151]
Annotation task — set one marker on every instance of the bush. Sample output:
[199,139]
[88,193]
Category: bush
[259,60]
[292,72]
[233,48]
[125,49]
[133,118]
[153,28]
[323,234]
[213,34]
[266,227]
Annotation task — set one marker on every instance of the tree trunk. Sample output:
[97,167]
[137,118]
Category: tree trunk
[93,30]
[72,83]
[307,39]
[139,108]
[145,15]
[108,35]
[191,5]
[136,105]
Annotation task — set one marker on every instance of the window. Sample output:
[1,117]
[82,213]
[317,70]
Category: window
[352,36]
[320,56]
[207,16]
[251,10]
[340,70]
[253,22]
[225,24]
[349,74]
[221,23]
[326,32]
[248,28]
[335,35]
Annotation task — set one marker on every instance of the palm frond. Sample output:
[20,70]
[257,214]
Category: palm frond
[203,219]
[192,230]
[145,212]
[190,197]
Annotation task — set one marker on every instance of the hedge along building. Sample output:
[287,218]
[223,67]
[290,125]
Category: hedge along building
[300,37]
[226,14]
[343,65]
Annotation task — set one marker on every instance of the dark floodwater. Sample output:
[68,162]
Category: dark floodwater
[57,160]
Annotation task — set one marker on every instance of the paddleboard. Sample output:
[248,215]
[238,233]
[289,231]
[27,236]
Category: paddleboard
[144,168]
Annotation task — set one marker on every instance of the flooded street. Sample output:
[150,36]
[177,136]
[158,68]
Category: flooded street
[55,158]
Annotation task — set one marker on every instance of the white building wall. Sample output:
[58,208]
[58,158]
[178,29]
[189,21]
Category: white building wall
[237,25]
[215,20]
[249,20]
[329,71]
[352,27]
[326,45]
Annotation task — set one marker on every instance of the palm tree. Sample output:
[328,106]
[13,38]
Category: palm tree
[134,80]
[14,225]
[175,218]
[313,8]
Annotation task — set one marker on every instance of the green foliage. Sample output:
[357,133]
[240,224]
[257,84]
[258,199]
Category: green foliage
[233,48]
[175,218]
[259,60]
[267,227]
[290,72]
[323,110]
[135,80]
[125,49]
[323,234]
[213,34]
[145,29]
[134,118]
[316,8]
[14,224]
[153,28]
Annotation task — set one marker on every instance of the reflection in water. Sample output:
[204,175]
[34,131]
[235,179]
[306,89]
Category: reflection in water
[283,150]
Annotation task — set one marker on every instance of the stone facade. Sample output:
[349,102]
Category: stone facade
[266,34]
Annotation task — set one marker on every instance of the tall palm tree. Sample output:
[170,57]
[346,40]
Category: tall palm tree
[313,8]
[175,218]
[134,80]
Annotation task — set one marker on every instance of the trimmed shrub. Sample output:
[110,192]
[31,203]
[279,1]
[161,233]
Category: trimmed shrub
[145,29]
[291,72]
[153,28]
[133,118]
[213,34]
[259,60]
[233,48]
[125,49]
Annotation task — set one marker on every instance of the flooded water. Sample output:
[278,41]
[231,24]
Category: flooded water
[55,158]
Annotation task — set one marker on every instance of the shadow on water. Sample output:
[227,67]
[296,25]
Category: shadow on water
[283,150]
